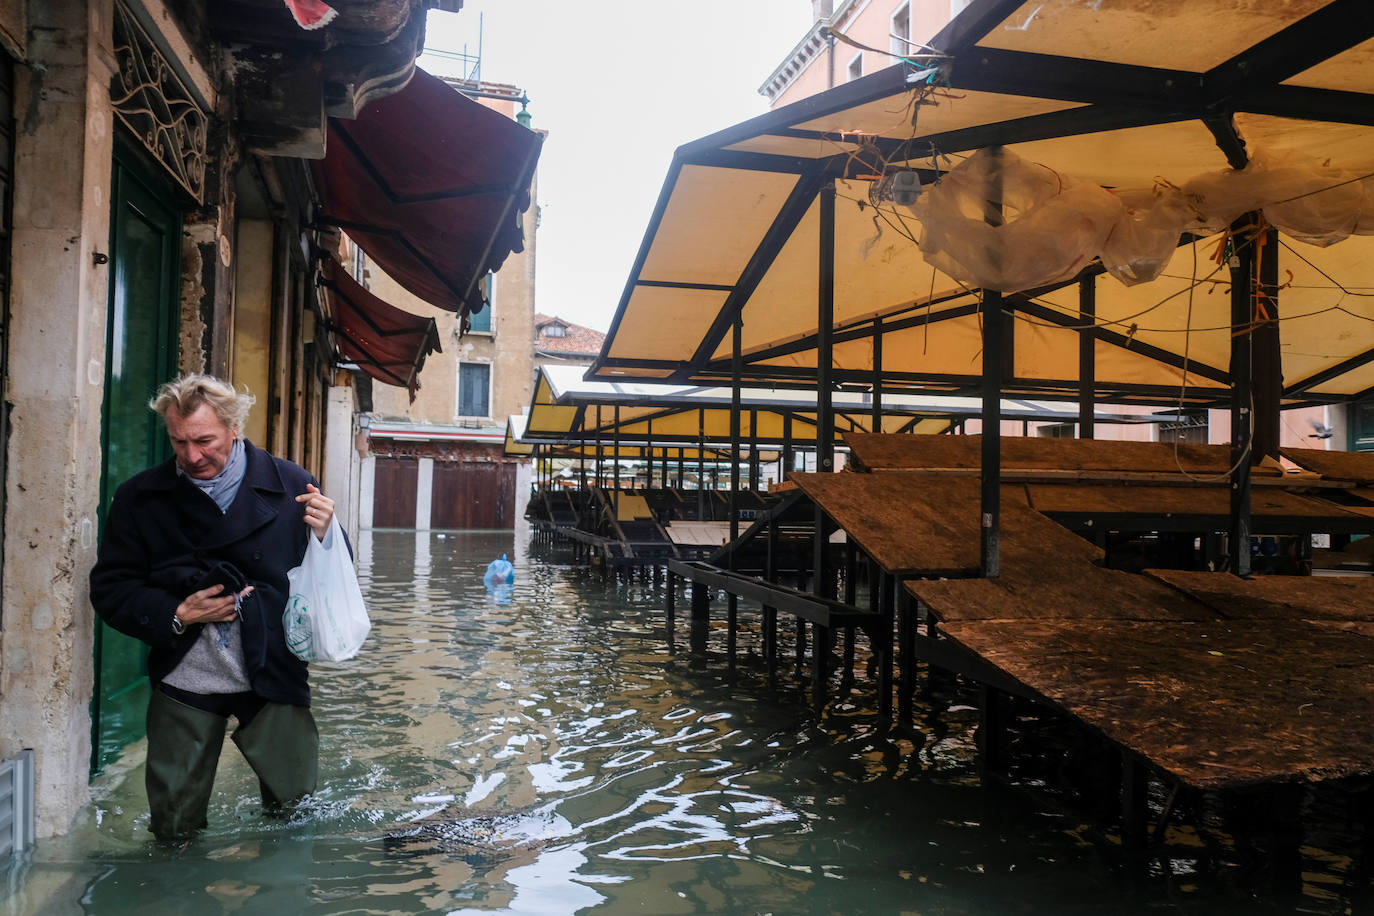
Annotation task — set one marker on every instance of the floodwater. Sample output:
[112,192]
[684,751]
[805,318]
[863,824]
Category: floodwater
[542,751]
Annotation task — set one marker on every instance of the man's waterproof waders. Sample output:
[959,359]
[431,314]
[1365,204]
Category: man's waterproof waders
[280,743]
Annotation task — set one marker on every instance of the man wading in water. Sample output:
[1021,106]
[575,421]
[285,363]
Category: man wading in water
[193,562]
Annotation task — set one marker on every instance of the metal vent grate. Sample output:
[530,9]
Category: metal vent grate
[16,804]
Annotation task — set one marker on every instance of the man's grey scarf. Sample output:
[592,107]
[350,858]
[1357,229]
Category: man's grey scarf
[224,486]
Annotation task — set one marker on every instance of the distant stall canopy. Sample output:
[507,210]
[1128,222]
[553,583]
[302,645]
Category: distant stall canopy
[517,446]
[567,409]
[430,184]
[387,343]
[1088,159]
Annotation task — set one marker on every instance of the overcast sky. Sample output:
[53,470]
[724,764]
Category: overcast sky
[618,84]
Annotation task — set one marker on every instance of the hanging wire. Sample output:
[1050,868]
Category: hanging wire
[1183,395]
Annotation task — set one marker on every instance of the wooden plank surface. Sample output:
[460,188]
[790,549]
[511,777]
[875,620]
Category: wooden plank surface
[1276,597]
[922,524]
[1357,467]
[1054,590]
[1218,704]
[887,451]
[1122,499]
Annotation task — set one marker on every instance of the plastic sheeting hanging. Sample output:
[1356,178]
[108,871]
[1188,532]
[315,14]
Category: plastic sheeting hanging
[1145,235]
[1304,198]
[1052,225]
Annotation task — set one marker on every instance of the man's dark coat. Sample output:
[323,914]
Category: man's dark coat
[163,533]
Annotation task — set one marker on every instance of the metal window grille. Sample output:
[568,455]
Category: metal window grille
[1191,427]
[1056,431]
[16,804]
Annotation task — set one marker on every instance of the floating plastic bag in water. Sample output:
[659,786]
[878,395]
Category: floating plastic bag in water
[499,572]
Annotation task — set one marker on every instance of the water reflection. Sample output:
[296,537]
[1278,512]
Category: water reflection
[542,752]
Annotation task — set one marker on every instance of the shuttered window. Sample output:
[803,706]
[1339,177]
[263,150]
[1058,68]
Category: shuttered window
[480,322]
[474,389]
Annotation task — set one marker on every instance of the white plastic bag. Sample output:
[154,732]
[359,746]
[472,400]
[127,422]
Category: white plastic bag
[325,618]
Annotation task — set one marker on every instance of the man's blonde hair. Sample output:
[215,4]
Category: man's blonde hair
[186,393]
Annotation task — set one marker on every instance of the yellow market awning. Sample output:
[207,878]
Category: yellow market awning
[566,409]
[1125,104]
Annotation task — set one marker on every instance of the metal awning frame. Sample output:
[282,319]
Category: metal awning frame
[1110,95]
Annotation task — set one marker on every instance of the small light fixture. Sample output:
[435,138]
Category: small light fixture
[901,187]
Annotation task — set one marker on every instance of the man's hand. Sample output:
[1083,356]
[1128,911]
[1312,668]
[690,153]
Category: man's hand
[209,605]
[319,510]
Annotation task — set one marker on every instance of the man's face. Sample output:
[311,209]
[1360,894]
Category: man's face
[200,440]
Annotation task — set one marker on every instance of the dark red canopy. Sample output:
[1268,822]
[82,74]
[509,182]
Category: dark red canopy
[430,184]
[387,343]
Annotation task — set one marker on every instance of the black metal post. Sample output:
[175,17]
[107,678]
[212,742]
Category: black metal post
[755,470]
[885,585]
[1267,366]
[1135,812]
[851,590]
[615,448]
[701,617]
[736,370]
[825,320]
[991,502]
[787,461]
[876,423]
[992,730]
[1087,355]
[1242,403]
[906,643]
[825,420]
[646,453]
[701,464]
[599,468]
[670,600]
[770,643]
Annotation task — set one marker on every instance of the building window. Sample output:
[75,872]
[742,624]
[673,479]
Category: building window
[958,6]
[1190,427]
[1056,431]
[1361,420]
[856,66]
[480,322]
[901,31]
[474,389]
[554,330]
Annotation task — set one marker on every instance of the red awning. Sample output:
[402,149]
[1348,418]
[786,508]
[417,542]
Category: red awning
[429,184]
[387,343]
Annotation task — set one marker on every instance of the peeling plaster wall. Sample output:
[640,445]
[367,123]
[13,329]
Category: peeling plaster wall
[57,348]
[198,253]
[207,261]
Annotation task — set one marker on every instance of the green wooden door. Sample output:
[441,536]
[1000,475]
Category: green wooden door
[145,250]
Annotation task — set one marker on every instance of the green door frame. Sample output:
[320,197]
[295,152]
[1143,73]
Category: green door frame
[143,317]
